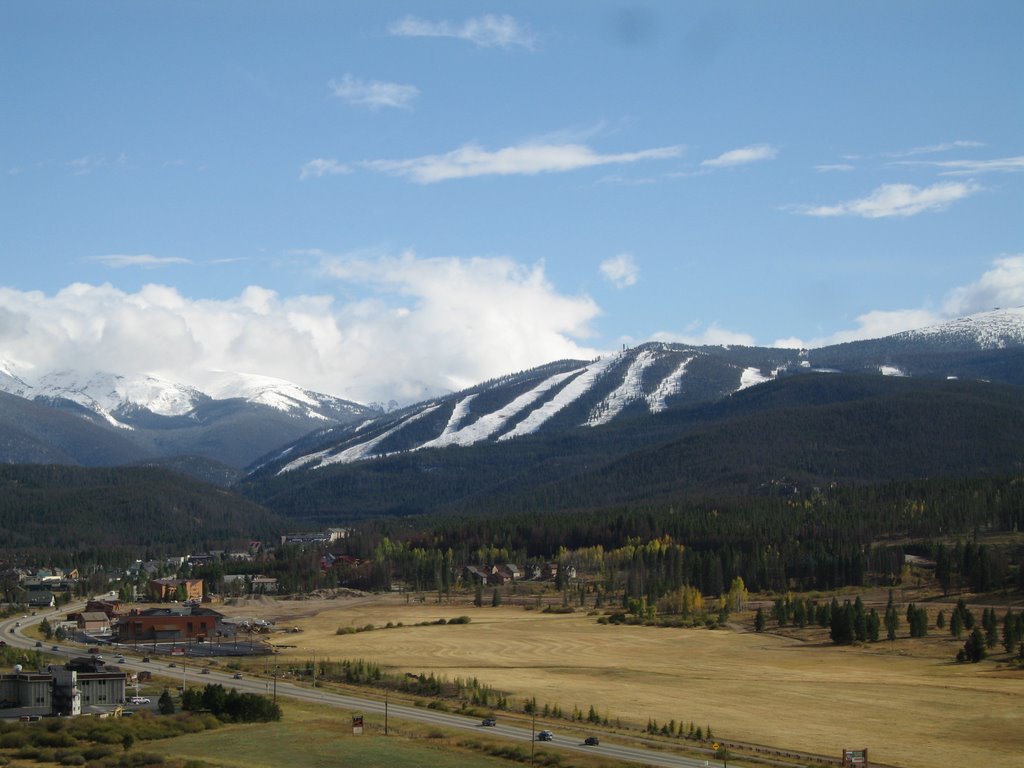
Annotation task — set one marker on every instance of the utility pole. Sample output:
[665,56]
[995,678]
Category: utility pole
[385,711]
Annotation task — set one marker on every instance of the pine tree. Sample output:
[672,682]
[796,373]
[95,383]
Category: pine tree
[892,619]
[759,621]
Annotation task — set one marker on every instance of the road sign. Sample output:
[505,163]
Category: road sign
[357,724]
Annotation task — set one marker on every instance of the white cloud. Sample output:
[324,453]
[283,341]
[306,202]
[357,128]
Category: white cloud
[526,159]
[972,167]
[145,260]
[486,31]
[936,148]
[742,156]
[375,93]
[322,166]
[1000,286]
[896,200]
[621,271]
[712,334]
[419,327]
[83,166]
[842,167]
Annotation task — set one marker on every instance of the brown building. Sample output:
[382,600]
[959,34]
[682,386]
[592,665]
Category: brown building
[168,625]
[167,589]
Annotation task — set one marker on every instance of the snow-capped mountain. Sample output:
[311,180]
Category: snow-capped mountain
[652,378]
[247,421]
[996,329]
[238,417]
[119,400]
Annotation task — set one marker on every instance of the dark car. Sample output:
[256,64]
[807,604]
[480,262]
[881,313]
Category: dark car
[488,721]
[39,643]
[591,741]
[145,659]
[545,736]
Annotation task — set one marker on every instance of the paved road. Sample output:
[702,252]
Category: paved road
[189,672]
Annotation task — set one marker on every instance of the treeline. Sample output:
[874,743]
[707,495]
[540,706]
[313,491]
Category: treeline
[844,536]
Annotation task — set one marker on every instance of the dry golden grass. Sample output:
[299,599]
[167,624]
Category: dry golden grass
[907,701]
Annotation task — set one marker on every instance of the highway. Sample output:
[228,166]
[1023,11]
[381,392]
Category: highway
[188,671]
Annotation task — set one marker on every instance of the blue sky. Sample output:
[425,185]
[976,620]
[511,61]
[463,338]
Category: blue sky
[393,199]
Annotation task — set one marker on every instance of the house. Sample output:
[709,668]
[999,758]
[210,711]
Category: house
[40,598]
[498,578]
[110,608]
[94,622]
[167,589]
[509,570]
[475,574]
[263,585]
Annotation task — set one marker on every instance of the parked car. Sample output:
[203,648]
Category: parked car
[139,700]
[545,736]
[488,721]
[591,741]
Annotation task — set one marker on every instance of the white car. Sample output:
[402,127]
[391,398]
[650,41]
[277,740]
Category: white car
[138,700]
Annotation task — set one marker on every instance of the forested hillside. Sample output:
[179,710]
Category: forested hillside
[800,431]
[57,514]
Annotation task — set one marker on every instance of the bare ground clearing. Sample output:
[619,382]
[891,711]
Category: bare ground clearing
[907,701]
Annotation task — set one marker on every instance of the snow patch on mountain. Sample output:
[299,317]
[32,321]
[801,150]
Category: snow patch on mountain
[891,370]
[354,453]
[491,423]
[570,393]
[459,413]
[628,391]
[669,386]
[752,377]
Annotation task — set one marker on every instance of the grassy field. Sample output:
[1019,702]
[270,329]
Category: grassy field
[307,737]
[907,701]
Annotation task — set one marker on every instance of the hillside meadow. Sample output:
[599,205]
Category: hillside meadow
[906,700]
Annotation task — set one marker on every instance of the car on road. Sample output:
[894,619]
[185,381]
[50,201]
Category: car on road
[54,647]
[94,650]
[120,659]
[138,700]
[145,659]
[591,741]
[204,671]
[39,643]
[172,664]
[237,675]
[488,721]
[545,736]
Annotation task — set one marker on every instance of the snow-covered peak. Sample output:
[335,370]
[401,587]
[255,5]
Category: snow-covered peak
[275,393]
[995,329]
[106,393]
